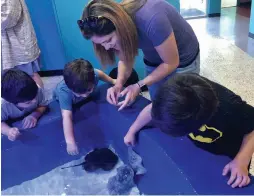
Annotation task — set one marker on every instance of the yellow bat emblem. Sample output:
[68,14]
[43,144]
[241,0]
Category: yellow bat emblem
[206,134]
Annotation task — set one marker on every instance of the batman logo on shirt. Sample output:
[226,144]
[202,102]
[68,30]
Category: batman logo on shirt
[206,134]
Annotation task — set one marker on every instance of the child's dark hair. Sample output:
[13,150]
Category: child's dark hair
[18,86]
[79,76]
[183,104]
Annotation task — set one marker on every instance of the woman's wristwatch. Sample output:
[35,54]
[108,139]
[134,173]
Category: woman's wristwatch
[140,84]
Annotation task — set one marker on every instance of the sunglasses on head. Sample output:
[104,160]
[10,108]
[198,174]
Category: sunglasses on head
[91,22]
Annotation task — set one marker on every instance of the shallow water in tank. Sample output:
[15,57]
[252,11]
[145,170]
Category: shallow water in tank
[69,181]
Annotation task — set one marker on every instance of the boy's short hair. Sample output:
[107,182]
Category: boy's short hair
[18,86]
[79,76]
[183,104]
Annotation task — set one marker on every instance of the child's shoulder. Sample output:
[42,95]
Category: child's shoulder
[226,95]
[4,102]
[62,91]
[7,109]
[96,72]
[6,105]
[62,87]
[97,75]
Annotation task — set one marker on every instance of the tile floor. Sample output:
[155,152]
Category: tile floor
[230,26]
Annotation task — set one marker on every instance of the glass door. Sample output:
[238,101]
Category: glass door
[228,3]
[193,8]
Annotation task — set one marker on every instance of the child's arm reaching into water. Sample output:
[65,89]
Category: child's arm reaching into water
[143,118]
[104,77]
[72,148]
[11,132]
[239,166]
[31,120]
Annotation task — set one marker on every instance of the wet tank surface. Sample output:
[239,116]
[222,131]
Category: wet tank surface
[33,164]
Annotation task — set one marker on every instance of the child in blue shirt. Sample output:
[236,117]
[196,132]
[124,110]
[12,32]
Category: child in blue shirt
[80,80]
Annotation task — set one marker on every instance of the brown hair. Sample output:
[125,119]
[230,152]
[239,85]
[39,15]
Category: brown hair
[118,14]
[184,103]
[79,76]
[132,6]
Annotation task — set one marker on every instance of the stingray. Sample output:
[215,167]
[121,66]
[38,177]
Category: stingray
[102,158]
[122,182]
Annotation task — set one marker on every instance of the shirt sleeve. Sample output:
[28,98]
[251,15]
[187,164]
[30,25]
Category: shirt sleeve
[4,112]
[159,28]
[64,96]
[246,117]
[96,75]
[10,13]
[241,113]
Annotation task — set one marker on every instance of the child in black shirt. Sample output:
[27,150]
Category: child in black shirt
[213,117]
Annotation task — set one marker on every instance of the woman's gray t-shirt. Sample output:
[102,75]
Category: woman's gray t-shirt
[155,21]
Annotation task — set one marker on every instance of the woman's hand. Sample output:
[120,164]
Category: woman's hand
[130,93]
[113,94]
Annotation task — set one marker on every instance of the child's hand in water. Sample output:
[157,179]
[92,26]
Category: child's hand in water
[72,149]
[29,122]
[130,139]
[13,133]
